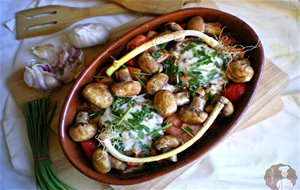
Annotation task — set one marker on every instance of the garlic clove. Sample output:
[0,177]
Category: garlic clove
[88,35]
[45,52]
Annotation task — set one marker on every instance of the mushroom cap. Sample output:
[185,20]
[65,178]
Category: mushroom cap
[240,71]
[165,102]
[156,83]
[123,75]
[98,94]
[126,89]
[82,131]
[182,98]
[101,161]
[228,108]
[167,142]
[196,23]
[192,116]
[148,64]
[172,26]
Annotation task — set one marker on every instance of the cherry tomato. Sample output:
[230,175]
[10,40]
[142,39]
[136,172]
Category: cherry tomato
[137,41]
[106,81]
[102,72]
[88,147]
[132,71]
[234,91]
[132,62]
[175,128]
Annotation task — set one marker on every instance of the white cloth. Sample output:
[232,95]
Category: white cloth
[241,160]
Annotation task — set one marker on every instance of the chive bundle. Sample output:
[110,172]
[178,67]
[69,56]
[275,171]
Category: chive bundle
[38,116]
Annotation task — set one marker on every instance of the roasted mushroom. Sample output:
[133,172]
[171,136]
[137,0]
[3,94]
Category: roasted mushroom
[117,164]
[82,131]
[182,98]
[194,114]
[167,142]
[159,82]
[126,87]
[98,94]
[197,23]
[172,27]
[149,64]
[227,110]
[165,102]
[240,71]
[100,160]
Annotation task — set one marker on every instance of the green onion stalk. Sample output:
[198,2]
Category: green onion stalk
[38,116]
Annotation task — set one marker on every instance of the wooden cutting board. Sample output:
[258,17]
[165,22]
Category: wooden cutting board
[272,82]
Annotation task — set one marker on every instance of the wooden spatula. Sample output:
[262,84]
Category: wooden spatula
[49,19]
[153,6]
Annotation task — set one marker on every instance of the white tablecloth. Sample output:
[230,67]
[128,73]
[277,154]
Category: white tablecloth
[241,160]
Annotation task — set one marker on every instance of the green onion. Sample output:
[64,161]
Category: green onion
[187,130]
[38,116]
[125,115]
[155,54]
[160,129]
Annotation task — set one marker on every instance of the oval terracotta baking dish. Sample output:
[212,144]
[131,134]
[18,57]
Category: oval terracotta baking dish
[243,33]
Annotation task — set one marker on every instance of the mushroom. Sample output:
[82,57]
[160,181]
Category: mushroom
[100,160]
[182,98]
[149,64]
[197,23]
[165,102]
[227,110]
[159,82]
[117,164]
[98,94]
[172,27]
[194,114]
[240,71]
[126,87]
[82,131]
[167,142]
[82,117]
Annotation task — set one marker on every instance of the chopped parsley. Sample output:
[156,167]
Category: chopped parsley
[162,46]
[155,54]
[171,69]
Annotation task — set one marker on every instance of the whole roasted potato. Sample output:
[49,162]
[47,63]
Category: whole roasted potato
[100,160]
[82,131]
[98,94]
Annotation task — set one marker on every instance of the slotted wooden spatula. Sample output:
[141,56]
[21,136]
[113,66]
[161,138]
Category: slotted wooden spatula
[153,6]
[49,19]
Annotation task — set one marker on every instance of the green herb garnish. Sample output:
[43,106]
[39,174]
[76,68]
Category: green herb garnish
[155,54]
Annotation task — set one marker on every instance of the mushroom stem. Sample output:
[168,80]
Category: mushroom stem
[159,40]
[214,114]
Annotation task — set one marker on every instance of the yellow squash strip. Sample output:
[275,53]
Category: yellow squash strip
[110,148]
[159,40]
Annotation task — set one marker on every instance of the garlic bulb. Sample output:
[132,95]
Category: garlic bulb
[41,76]
[240,71]
[70,63]
[45,52]
[87,35]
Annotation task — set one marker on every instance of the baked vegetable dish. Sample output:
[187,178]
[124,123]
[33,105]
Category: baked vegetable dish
[161,96]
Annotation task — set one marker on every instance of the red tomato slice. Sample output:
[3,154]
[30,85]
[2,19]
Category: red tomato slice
[176,122]
[106,81]
[132,71]
[137,41]
[132,62]
[102,72]
[234,91]
[88,147]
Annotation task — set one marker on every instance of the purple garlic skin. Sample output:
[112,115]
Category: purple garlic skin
[41,76]
[53,69]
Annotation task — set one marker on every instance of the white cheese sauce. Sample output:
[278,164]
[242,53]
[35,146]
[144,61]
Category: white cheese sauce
[188,60]
[130,140]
